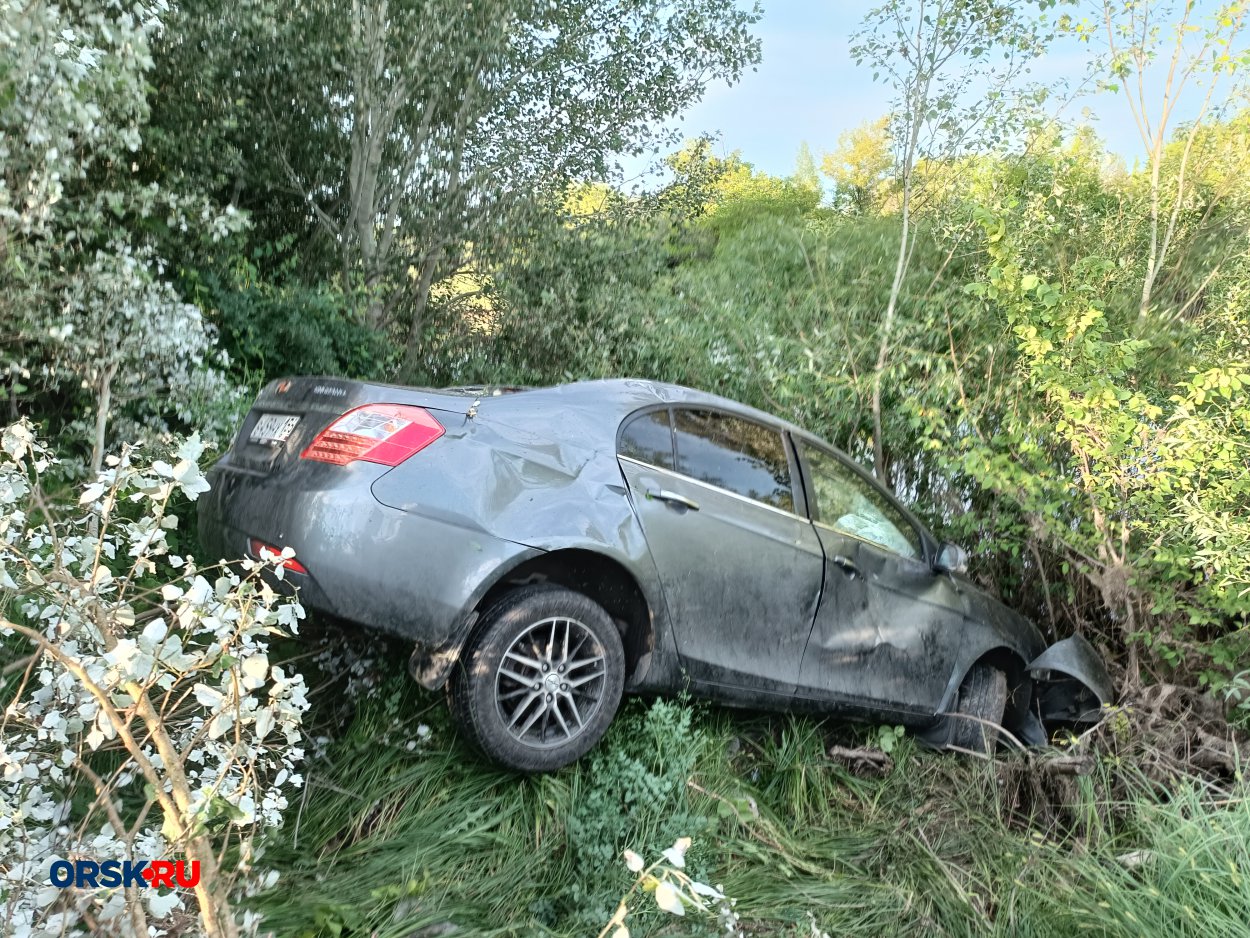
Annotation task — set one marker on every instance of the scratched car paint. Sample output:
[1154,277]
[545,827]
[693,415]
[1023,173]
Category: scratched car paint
[546,550]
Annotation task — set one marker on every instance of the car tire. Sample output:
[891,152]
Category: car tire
[983,699]
[540,680]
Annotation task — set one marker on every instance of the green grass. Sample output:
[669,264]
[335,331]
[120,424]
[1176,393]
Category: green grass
[392,841]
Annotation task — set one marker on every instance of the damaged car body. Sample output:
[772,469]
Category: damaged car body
[546,550]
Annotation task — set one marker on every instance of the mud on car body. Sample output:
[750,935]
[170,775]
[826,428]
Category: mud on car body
[546,550]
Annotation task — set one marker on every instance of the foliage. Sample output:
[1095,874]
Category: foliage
[674,891]
[71,97]
[81,285]
[131,652]
[805,171]
[145,682]
[861,168]
[764,299]
[736,193]
[634,798]
[127,336]
[285,327]
[1130,451]
[438,123]
[1204,54]
[954,68]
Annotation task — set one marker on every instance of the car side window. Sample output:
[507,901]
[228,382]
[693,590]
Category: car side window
[649,438]
[741,456]
[847,503]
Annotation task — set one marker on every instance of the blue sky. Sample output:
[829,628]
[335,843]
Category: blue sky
[807,88]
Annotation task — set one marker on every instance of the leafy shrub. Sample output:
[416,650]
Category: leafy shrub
[632,794]
[142,718]
[287,328]
[92,329]
[1125,448]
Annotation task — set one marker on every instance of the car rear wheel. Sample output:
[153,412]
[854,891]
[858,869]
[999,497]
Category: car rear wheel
[982,702]
[541,679]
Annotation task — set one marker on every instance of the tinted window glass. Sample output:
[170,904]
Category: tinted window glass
[847,503]
[648,438]
[739,455]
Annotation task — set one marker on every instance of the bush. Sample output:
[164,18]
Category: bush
[631,796]
[143,718]
[274,329]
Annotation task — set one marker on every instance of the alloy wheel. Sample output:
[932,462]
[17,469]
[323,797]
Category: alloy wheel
[550,683]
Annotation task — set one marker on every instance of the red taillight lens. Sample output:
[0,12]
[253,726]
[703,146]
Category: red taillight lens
[256,546]
[382,433]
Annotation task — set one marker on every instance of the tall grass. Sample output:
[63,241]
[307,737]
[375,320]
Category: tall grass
[398,841]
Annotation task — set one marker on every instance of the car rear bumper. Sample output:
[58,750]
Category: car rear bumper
[401,572]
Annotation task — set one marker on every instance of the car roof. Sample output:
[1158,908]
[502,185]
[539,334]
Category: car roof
[617,398]
[590,413]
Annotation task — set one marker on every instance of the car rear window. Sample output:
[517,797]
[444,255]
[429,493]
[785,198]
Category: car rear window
[649,438]
[738,455]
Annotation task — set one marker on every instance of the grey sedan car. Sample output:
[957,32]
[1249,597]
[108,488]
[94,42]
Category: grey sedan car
[546,550]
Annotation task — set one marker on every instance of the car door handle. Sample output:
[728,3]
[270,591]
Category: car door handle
[846,564]
[664,495]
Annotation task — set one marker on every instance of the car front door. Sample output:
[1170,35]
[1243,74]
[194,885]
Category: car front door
[888,628]
[740,567]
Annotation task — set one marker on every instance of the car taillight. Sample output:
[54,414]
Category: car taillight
[381,433]
[255,545]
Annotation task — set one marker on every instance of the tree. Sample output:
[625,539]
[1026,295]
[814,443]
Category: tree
[860,167]
[1200,56]
[934,53]
[1125,450]
[731,188]
[80,283]
[409,133]
[805,173]
[71,95]
[129,647]
[126,336]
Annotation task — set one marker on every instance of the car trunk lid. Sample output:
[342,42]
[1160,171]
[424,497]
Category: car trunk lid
[289,414]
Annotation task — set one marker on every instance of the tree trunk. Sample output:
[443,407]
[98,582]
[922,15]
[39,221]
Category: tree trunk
[377,95]
[216,916]
[176,802]
[104,401]
[896,288]
[883,353]
[425,283]
[1154,258]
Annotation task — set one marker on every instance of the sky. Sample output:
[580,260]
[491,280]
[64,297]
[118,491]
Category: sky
[807,88]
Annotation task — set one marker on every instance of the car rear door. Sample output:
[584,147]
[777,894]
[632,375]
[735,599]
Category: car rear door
[888,628]
[741,568]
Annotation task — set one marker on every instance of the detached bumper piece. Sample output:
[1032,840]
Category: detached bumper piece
[1072,682]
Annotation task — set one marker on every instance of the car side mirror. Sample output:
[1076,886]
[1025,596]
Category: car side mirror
[952,558]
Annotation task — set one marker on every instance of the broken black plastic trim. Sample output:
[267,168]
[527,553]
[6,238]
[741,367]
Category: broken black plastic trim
[1073,683]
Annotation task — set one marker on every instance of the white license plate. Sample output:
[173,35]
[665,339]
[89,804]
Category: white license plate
[273,428]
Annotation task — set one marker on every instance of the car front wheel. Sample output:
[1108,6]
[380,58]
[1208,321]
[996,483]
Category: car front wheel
[540,680]
[982,703]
